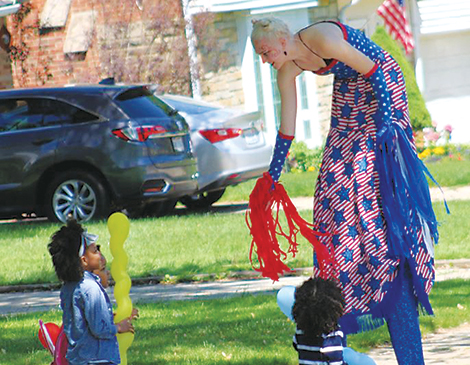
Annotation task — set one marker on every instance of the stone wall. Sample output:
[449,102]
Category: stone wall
[224,86]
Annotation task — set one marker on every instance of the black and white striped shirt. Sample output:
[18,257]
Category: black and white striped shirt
[321,350]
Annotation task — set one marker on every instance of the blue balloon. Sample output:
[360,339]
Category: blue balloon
[285,300]
[352,357]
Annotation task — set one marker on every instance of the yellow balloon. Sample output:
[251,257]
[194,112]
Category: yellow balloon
[125,341]
[122,287]
[118,226]
[119,266]
[124,309]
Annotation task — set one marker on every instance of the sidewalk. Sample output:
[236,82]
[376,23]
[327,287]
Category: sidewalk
[446,347]
[35,301]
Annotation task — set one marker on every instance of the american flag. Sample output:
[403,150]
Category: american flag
[394,14]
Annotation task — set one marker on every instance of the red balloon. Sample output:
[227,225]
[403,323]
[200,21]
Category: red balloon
[52,332]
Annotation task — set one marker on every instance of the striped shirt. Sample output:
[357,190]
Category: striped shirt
[321,350]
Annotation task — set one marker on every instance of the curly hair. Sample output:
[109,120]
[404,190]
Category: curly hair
[318,305]
[64,247]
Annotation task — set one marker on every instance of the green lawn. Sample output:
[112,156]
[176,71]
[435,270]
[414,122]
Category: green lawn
[181,247]
[248,330]
[184,246]
[448,172]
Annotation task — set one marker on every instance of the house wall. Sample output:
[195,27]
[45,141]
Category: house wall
[47,64]
[324,84]
[444,53]
[121,50]
[224,85]
[6,79]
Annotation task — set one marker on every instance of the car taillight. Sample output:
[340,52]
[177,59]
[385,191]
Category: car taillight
[218,135]
[138,134]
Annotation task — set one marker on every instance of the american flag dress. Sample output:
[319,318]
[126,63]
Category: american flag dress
[347,200]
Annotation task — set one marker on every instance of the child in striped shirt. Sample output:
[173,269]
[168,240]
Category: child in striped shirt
[318,339]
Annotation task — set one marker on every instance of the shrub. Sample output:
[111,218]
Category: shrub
[419,114]
[302,159]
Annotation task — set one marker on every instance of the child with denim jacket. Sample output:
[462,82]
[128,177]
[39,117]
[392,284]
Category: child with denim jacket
[87,310]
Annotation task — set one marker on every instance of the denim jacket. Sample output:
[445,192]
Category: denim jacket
[88,322]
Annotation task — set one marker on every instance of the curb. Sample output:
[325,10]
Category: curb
[232,276]
[153,280]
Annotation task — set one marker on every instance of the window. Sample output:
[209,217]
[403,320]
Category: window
[259,84]
[28,113]
[276,98]
[307,129]
[79,32]
[303,92]
[55,13]
[141,103]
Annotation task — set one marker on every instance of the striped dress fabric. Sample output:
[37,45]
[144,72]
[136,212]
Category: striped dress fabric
[347,199]
[321,350]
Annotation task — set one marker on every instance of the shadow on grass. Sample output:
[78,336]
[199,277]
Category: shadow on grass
[249,330]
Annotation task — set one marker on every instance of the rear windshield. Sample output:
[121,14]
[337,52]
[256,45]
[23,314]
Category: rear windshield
[189,106]
[141,103]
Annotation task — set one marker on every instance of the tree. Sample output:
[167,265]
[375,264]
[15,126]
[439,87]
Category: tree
[419,114]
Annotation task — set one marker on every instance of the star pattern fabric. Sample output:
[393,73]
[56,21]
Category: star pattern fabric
[281,148]
[347,199]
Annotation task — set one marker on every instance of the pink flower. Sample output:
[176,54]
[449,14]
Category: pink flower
[448,128]
[432,136]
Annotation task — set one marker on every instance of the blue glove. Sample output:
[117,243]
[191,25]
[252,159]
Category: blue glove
[281,148]
[383,116]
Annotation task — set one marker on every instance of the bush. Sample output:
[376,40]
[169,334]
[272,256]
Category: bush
[419,114]
[302,159]
[458,152]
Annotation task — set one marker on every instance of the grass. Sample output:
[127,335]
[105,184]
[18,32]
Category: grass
[183,246]
[245,330]
[450,172]
[180,246]
[447,171]
[296,184]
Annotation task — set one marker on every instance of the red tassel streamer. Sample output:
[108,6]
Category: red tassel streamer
[266,196]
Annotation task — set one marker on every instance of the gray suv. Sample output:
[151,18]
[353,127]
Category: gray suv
[84,151]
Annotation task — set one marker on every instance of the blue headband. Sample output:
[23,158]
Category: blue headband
[86,240]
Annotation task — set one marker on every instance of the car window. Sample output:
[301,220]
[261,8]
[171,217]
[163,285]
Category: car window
[140,103]
[17,114]
[188,105]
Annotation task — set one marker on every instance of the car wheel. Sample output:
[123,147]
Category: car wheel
[159,209]
[203,200]
[78,195]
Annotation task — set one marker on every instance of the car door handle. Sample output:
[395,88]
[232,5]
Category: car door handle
[40,142]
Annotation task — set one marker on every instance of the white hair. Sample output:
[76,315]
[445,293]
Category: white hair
[269,28]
